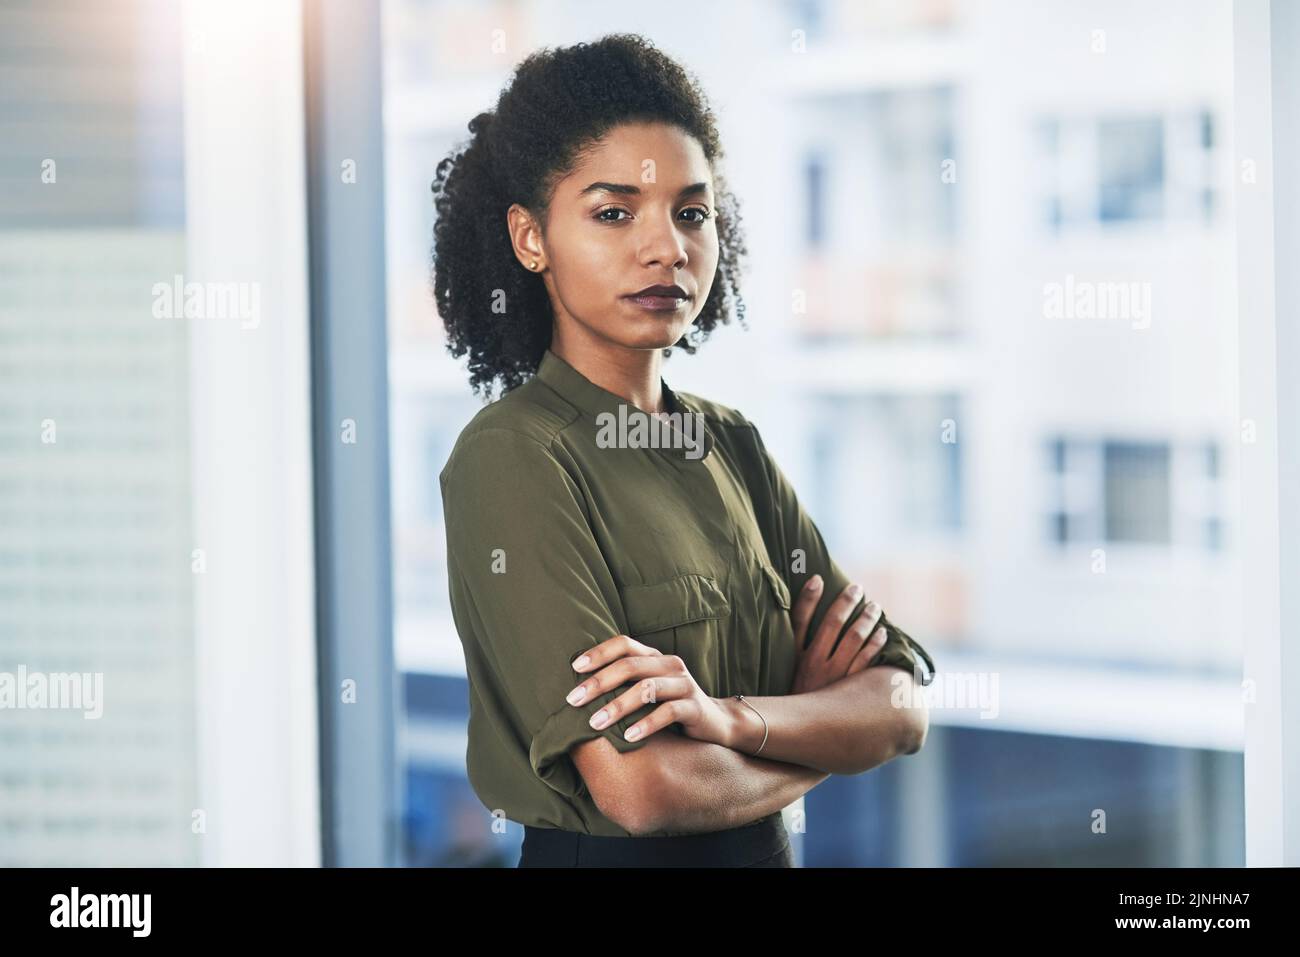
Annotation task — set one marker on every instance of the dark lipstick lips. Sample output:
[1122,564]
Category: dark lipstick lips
[676,292]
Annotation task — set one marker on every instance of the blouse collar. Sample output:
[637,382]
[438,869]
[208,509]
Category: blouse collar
[593,401]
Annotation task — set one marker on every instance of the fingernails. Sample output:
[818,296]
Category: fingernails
[632,734]
[582,662]
[872,607]
[855,591]
[576,695]
[815,583]
[600,718]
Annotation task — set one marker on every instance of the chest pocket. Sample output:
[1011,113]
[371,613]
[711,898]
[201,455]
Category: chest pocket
[683,616]
[780,591]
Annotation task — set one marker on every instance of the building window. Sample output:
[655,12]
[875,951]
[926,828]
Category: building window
[815,178]
[1134,492]
[1130,169]
[1102,171]
[1137,492]
[880,226]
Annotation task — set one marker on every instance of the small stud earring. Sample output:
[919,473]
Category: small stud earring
[534,265]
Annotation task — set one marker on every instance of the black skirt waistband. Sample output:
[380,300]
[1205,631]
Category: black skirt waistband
[734,847]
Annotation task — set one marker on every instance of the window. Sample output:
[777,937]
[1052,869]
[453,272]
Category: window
[95,502]
[883,302]
[878,258]
[1134,492]
[1107,170]
[1130,169]
[815,175]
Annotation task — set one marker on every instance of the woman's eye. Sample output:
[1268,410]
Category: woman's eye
[610,215]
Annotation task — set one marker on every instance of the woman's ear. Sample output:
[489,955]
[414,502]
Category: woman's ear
[526,238]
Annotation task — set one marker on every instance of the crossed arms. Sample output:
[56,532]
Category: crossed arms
[846,721]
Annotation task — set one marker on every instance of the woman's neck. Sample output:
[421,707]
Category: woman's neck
[633,374]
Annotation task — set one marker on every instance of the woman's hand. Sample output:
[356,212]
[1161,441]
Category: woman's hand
[816,667]
[660,678]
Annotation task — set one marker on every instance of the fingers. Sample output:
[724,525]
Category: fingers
[869,650]
[612,649]
[804,606]
[836,616]
[665,688]
[857,635]
[623,670]
[679,709]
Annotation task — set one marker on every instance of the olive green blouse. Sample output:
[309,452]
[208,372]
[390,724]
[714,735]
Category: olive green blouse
[563,532]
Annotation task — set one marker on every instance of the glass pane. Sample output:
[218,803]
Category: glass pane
[95,565]
[1131,168]
[1137,493]
[879,258]
[911,181]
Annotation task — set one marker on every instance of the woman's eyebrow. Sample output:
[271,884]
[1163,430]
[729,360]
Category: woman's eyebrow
[629,190]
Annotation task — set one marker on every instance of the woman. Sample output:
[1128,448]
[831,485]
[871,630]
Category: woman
[622,556]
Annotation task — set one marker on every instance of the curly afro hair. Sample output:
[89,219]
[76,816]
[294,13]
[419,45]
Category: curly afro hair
[559,102]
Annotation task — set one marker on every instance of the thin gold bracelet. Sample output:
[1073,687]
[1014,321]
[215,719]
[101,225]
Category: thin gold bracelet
[741,697]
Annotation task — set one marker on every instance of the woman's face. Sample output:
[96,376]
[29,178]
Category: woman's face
[637,211]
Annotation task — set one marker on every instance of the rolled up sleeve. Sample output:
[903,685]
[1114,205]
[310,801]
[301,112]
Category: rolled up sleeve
[791,525]
[530,592]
